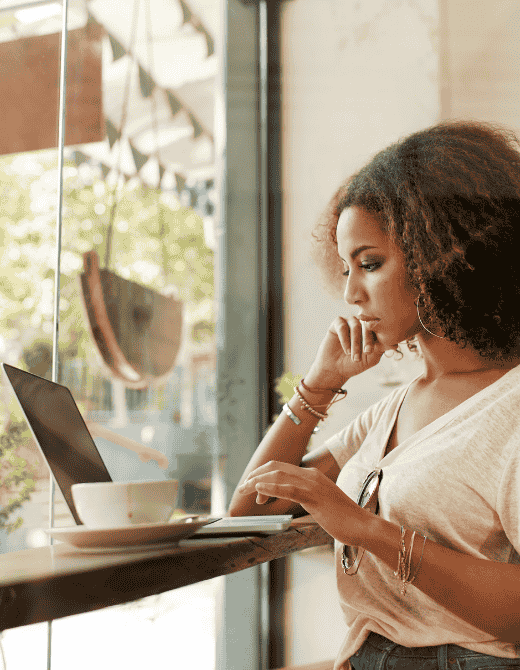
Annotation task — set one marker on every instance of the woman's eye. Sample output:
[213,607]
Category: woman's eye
[370,267]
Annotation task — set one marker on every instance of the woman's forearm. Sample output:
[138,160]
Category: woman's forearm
[484,593]
[284,441]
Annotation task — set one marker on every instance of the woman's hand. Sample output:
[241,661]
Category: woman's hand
[347,349]
[336,513]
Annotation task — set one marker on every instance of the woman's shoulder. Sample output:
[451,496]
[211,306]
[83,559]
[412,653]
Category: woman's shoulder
[502,390]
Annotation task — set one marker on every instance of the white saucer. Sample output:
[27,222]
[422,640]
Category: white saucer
[140,536]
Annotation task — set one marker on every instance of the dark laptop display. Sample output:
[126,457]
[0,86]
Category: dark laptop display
[73,458]
[60,432]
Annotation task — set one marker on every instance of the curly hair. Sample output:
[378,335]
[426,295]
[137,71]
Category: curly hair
[449,198]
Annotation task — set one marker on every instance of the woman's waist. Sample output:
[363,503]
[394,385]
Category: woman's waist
[494,648]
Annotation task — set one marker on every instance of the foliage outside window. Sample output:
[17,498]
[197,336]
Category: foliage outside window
[178,261]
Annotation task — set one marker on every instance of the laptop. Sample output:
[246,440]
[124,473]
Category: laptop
[73,458]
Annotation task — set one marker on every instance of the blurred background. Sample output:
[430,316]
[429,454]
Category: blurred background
[203,138]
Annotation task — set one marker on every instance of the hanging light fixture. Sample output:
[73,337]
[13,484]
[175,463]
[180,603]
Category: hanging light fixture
[136,329]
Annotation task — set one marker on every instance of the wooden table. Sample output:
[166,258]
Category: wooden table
[58,581]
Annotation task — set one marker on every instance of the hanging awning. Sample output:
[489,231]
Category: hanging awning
[169,127]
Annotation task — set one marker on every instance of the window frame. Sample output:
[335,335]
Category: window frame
[249,303]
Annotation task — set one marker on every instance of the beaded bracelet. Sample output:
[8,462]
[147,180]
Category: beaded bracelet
[305,405]
[341,392]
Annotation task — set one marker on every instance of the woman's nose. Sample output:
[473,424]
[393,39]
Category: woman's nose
[353,291]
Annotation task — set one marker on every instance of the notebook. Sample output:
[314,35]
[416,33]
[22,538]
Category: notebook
[72,456]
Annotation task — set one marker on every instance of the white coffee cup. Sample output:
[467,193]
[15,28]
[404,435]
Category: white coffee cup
[116,504]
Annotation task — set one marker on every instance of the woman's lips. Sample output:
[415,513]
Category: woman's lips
[370,322]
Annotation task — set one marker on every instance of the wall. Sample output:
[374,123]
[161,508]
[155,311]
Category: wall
[481,63]
[355,77]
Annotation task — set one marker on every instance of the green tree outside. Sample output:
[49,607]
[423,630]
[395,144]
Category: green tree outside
[156,241]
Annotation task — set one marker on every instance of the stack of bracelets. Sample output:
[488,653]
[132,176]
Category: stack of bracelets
[305,405]
[404,559]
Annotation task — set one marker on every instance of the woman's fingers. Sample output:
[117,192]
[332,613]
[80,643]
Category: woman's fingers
[248,487]
[369,340]
[356,339]
[343,332]
[273,470]
[278,475]
[270,466]
[284,491]
[340,516]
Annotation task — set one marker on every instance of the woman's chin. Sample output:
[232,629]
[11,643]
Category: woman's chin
[394,342]
[388,341]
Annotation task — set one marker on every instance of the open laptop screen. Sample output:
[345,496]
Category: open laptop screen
[60,432]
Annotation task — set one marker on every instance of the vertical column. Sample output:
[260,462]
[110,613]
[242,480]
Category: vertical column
[239,394]
[249,290]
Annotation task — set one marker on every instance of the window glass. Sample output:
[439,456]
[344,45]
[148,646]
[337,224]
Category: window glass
[136,316]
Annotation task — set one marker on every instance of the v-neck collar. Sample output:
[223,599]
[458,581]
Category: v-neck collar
[441,421]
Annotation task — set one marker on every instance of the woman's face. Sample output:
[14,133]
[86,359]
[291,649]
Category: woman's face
[376,279]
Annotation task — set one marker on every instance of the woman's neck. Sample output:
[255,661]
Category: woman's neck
[443,359]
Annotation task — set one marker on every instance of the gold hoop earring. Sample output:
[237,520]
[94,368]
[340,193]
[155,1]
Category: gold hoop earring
[442,337]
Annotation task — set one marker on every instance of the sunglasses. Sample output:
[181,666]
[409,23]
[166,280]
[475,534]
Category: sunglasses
[368,500]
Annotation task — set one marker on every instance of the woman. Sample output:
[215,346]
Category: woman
[426,238]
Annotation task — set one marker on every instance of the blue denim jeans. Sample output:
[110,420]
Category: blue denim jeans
[379,653]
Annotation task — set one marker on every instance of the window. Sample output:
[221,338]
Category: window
[162,185]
